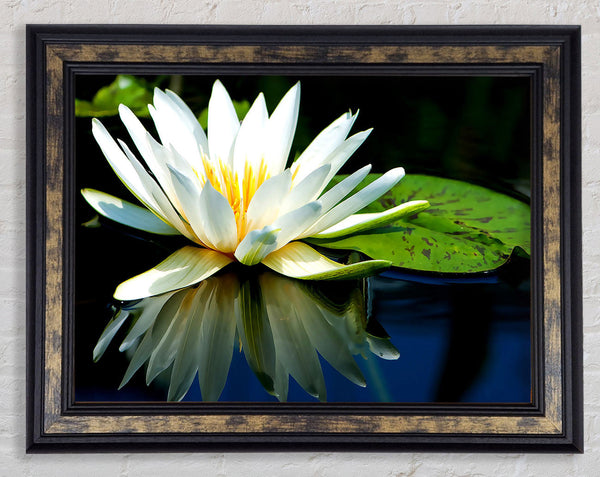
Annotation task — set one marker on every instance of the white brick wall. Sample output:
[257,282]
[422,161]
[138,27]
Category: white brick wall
[14,14]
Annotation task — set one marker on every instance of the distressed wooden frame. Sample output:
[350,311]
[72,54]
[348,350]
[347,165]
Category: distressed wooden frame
[549,56]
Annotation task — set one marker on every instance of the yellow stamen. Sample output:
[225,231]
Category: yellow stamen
[237,190]
[295,170]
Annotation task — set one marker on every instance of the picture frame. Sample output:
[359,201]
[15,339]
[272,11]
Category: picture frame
[548,55]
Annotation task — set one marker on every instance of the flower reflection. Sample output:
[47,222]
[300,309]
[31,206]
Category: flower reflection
[282,325]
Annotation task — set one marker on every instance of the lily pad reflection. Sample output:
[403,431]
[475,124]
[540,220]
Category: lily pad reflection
[281,325]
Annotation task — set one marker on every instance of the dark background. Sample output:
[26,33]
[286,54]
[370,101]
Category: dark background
[464,342]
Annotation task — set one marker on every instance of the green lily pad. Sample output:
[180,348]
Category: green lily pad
[467,229]
[127,90]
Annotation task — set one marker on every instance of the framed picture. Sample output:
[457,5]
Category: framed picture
[291,238]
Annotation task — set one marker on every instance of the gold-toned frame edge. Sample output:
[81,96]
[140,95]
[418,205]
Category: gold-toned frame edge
[56,423]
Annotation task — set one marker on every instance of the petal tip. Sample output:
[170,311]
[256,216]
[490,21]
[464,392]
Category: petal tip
[218,86]
[123,109]
[120,294]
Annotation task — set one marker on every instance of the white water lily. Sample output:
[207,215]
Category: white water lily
[230,193]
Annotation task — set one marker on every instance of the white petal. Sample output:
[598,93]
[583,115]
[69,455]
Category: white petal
[223,124]
[136,130]
[382,347]
[255,335]
[128,169]
[183,268]
[249,143]
[342,153]
[328,332]
[358,201]
[259,243]
[173,161]
[256,245]
[193,171]
[192,121]
[218,220]
[177,126]
[119,162]
[293,348]
[217,337]
[295,222]
[126,213]
[343,188]
[299,260]
[188,355]
[281,381]
[140,356]
[266,202]
[163,206]
[158,159]
[150,308]
[174,128]
[154,335]
[324,144]
[189,195]
[109,333]
[307,190]
[359,222]
[281,129]
[169,344]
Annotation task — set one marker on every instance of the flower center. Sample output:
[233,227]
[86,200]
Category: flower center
[237,190]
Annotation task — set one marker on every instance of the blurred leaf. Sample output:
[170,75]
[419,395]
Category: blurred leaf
[93,223]
[241,108]
[431,123]
[125,89]
[467,229]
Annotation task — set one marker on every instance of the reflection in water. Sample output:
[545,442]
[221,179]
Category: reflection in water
[281,324]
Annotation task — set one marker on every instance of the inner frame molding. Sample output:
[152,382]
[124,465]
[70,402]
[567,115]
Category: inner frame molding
[549,56]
